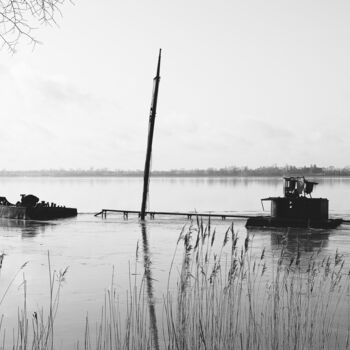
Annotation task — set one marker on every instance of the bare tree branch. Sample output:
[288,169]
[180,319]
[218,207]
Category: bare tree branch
[19,18]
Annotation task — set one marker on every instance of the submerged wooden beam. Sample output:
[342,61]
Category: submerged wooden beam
[152,214]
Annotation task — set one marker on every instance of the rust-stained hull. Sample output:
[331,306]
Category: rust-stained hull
[36,213]
[268,221]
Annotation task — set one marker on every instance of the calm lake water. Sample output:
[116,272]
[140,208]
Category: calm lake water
[91,246]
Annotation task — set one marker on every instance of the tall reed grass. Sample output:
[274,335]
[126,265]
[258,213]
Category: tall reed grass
[225,298]
[240,301]
[34,331]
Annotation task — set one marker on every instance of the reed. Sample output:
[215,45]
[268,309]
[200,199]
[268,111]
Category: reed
[35,331]
[240,301]
[232,298]
[227,297]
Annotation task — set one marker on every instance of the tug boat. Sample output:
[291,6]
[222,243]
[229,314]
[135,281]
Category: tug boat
[30,208]
[296,208]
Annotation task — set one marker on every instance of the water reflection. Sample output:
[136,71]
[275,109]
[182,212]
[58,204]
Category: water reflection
[247,181]
[149,285]
[304,240]
[333,181]
[294,239]
[223,181]
[26,227]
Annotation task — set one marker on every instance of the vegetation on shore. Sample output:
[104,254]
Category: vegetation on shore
[233,171]
[230,297]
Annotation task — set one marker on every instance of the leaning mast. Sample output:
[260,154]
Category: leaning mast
[152,118]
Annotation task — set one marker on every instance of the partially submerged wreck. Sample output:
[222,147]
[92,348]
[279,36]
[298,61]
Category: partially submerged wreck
[296,208]
[30,208]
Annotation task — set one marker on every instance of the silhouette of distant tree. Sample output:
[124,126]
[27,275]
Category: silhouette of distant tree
[18,19]
[268,171]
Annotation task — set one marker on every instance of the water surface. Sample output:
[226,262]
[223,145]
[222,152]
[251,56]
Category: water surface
[91,246]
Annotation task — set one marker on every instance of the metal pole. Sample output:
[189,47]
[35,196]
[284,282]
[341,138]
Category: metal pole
[150,139]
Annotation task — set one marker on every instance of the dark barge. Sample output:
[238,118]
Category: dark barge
[297,208]
[29,208]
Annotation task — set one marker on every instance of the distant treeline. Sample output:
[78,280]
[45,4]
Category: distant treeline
[228,171]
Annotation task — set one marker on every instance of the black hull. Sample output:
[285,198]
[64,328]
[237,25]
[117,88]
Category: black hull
[36,213]
[263,221]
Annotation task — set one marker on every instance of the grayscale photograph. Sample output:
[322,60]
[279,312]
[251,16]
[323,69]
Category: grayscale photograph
[175,175]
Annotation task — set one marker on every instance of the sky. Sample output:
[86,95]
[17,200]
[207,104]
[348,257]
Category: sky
[243,83]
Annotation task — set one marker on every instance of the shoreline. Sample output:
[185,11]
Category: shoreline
[161,175]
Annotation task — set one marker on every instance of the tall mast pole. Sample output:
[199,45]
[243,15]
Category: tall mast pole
[152,118]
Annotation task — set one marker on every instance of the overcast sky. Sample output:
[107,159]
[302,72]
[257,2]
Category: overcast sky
[242,83]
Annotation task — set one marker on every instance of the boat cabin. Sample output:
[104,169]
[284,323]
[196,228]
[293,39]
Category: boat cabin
[297,202]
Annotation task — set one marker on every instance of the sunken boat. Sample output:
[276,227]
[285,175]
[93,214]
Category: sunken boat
[296,208]
[30,208]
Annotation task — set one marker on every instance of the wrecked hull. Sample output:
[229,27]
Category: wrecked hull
[36,213]
[267,221]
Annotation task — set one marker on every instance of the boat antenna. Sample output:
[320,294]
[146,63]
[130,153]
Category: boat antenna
[152,118]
